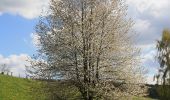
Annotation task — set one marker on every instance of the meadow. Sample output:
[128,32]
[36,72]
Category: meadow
[13,88]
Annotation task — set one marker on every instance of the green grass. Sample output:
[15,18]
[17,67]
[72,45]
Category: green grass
[12,88]
[141,98]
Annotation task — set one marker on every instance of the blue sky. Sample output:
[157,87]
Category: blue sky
[15,35]
[18,18]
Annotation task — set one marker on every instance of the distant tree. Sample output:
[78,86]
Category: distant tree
[4,69]
[89,43]
[163,47]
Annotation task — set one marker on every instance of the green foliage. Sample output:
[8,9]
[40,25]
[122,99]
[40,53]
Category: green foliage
[164,92]
[12,88]
[166,35]
[163,47]
[58,90]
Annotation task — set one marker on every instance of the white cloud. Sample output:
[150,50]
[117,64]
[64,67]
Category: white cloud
[159,8]
[151,17]
[142,25]
[150,80]
[140,5]
[26,8]
[149,60]
[16,63]
[155,8]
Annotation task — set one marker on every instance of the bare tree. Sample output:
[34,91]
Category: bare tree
[89,43]
[4,69]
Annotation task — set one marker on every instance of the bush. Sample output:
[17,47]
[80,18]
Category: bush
[164,92]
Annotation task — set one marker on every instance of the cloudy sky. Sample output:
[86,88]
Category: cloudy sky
[18,18]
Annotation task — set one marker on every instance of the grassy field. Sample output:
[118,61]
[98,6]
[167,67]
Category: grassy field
[12,88]
[141,98]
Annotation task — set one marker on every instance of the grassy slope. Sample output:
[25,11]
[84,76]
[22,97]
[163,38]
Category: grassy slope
[141,98]
[12,88]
